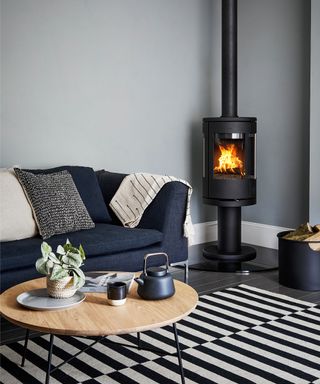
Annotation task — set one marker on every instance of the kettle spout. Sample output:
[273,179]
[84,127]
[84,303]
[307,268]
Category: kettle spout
[139,281]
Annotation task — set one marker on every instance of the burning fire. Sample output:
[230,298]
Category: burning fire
[229,161]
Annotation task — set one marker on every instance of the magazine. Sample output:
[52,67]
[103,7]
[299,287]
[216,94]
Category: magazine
[98,281]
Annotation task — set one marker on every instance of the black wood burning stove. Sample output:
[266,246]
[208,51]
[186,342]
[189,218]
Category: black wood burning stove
[229,157]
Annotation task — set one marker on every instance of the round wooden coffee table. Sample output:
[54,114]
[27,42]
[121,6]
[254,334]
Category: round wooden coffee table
[94,317]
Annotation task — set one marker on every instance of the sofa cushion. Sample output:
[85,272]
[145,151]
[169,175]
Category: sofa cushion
[16,220]
[102,240]
[109,183]
[87,184]
[55,201]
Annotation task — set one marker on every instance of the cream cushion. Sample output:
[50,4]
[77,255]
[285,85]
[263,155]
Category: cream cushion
[16,220]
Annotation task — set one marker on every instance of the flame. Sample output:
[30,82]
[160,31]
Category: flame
[229,161]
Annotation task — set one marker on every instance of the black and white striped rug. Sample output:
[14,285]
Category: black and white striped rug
[238,335]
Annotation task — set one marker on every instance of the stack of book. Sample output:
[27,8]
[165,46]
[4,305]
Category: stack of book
[98,281]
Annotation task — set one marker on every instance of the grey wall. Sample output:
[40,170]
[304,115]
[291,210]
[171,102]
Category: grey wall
[274,86]
[315,114]
[115,84]
[124,85]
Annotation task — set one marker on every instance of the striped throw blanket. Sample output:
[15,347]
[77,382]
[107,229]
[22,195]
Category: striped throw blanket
[137,191]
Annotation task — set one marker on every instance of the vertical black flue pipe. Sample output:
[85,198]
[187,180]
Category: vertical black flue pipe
[229,218]
[229,58]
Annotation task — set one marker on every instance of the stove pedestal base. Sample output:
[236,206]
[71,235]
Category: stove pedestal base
[229,262]
[244,268]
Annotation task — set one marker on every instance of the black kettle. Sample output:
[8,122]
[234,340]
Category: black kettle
[155,283]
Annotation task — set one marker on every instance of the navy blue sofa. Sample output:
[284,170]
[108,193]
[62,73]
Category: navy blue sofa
[110,246]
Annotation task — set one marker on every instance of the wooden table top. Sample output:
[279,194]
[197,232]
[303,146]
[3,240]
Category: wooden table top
[94,317]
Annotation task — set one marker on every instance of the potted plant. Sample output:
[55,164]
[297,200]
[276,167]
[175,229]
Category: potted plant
[62,269]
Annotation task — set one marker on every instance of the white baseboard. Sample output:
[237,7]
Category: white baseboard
[261,234]
[205,232]
[252,233]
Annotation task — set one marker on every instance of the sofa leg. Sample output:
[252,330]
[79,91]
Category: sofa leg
[186,272]
[185,265]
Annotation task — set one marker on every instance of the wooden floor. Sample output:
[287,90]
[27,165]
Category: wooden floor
[206,282]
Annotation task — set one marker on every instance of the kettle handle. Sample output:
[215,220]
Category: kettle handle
[154,254]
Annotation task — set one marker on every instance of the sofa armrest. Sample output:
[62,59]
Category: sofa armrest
[168,209]
[166,213]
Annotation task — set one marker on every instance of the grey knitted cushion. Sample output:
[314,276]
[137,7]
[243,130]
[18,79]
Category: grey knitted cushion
[55,201]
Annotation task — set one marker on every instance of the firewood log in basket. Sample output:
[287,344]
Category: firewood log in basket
[314,237]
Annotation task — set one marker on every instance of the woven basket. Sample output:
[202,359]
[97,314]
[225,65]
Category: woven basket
[60,289]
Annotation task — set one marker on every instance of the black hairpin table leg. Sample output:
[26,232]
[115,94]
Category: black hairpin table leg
[25,347]
[49,359]
[178,352]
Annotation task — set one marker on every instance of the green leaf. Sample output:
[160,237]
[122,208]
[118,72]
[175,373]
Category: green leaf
[82,253]
[74,250]
[58,272]
[76,280]
[72,260]
[49,265]
[45,250]
[67,246]
[60,250]
[79,272]
[76,256]
[41,266]
[80,277]
[54,258]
